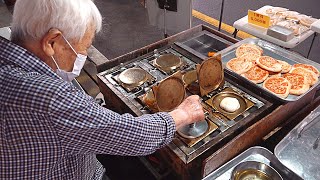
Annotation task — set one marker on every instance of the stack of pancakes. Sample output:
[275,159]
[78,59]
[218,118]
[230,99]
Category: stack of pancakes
[277,76]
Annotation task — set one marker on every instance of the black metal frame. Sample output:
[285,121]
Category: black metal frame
[221,15]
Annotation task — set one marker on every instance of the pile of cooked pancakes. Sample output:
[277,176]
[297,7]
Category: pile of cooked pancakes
[298,23]
[277,76]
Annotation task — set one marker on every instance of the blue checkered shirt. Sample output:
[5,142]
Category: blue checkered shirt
[51,130]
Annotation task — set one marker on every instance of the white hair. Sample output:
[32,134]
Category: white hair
[32,19]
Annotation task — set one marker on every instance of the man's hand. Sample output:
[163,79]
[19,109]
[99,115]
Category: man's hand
[189,111]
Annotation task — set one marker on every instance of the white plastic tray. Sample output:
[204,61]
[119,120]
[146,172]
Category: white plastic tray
[316,26]
[243,25]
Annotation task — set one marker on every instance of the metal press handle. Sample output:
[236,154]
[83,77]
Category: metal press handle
[165,6]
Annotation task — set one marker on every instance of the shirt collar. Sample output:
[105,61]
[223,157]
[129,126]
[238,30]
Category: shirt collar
[23,58]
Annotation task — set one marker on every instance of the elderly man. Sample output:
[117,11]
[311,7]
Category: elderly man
[51,130]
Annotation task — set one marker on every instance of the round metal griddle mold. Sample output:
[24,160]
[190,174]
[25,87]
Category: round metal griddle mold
[219,97]
[194,130]
[168,61]
[169,94]
[133,76]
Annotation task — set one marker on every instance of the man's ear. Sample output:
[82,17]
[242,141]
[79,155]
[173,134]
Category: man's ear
[50,39]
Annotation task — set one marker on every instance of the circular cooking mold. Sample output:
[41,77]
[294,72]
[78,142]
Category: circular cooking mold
[168,61]
[170,93]
[133,76]
[219,97]
[194,130]
[210,75]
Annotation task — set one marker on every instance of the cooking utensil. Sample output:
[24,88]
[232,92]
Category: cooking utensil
[194,130]
[133,76]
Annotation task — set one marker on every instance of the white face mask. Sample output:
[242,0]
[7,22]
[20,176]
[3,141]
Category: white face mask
[77,66]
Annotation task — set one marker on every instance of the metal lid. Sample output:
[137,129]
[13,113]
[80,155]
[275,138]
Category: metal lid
[210,75]
[168,61]
[169,93]
[194,130]
[190,77]
[133,76]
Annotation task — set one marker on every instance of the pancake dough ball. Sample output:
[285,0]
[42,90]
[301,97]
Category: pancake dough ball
[230,104]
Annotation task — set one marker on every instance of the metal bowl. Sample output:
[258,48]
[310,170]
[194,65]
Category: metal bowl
[254,170]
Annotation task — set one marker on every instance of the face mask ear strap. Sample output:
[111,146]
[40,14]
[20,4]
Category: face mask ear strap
[55,62]
[69,44]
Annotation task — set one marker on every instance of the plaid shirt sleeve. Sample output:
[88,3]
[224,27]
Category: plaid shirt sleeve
[51,130]
[83,126]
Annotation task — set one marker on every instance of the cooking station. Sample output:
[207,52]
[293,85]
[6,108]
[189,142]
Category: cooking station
[144,80]
[136,79]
